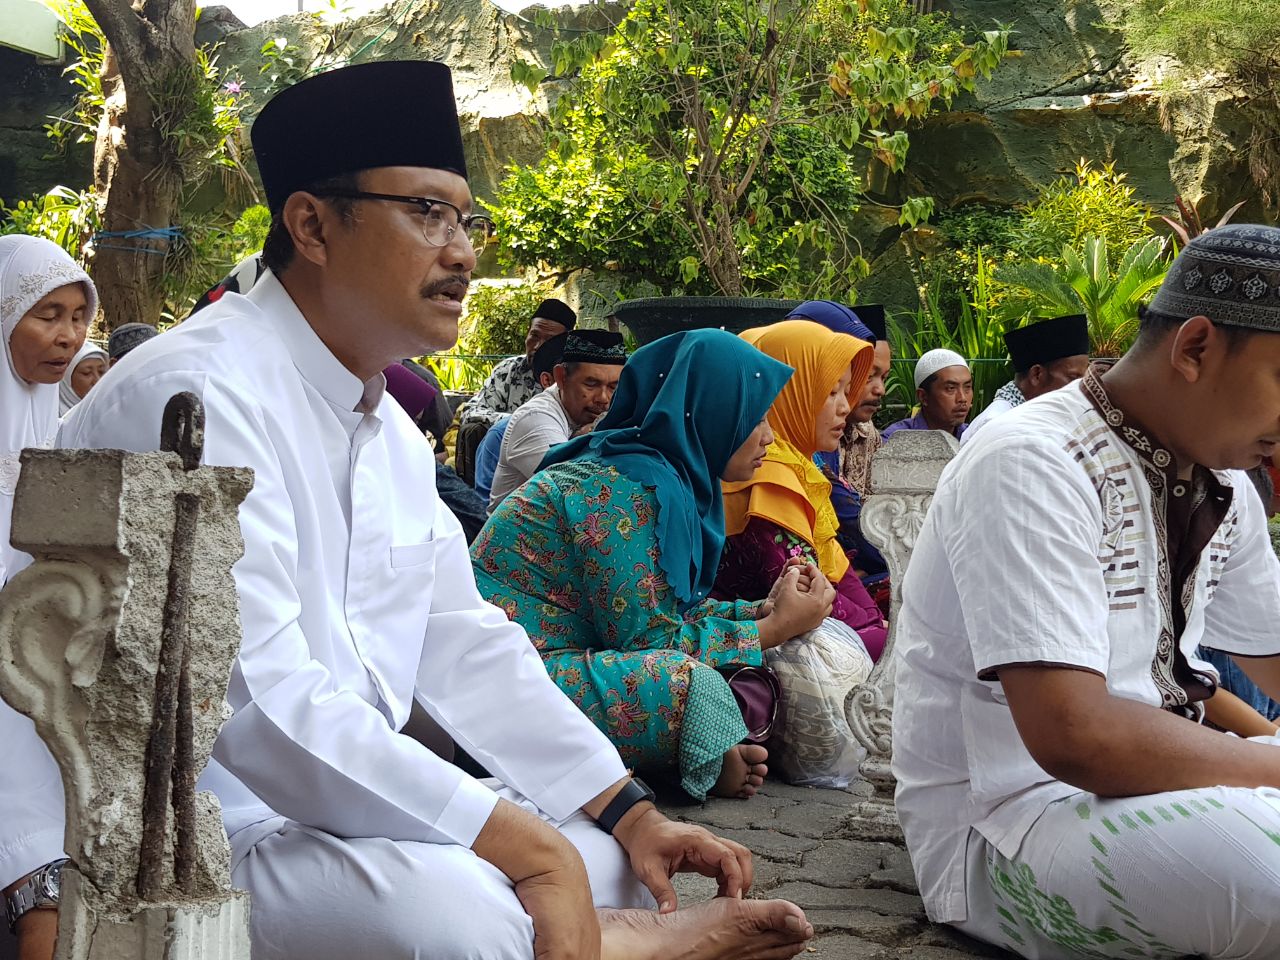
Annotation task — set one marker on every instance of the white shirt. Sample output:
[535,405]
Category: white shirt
[1042,546]
[534,429]
[356,594]
[992,410]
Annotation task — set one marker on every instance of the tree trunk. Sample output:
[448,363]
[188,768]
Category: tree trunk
[137,171]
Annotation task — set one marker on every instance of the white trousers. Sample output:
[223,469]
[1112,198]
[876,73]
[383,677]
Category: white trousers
[1194,872]
[317,896]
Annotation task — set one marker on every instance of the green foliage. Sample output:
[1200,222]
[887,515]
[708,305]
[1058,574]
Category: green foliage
[707,147]
[461,372]
[497,317]
[971,327]
[205,254]
[1085,282]
[283,65]
[199,117]
[1096,202]
[1232,38]
[980,226]
[65,216]
[1203,34]
[86,42]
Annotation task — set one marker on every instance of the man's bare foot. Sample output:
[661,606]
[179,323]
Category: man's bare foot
[742,772]
[720,930]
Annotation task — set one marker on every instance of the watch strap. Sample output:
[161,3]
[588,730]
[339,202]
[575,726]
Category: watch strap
[34,893]
[635,791]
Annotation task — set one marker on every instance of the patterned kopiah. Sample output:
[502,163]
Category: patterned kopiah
[1230,275]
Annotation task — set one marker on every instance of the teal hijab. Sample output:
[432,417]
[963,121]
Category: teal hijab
[683,405]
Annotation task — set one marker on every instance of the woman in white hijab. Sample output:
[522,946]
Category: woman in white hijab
[46,304]
[86,369]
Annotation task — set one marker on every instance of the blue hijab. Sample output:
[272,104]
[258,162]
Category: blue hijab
[683,405]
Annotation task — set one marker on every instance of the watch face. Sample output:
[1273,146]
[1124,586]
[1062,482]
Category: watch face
[51,882]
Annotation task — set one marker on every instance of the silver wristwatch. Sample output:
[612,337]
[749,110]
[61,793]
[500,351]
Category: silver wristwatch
[41,890]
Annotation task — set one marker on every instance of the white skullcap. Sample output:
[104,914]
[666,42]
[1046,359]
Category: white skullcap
[935,360]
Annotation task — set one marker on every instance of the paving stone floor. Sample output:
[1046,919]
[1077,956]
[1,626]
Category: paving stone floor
[859,895]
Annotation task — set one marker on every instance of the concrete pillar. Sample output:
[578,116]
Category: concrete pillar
[81,653]
[904,475]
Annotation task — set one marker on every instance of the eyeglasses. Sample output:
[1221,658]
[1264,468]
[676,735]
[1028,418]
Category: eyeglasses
[440,218]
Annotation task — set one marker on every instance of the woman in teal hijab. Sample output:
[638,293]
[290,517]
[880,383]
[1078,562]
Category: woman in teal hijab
[606,557]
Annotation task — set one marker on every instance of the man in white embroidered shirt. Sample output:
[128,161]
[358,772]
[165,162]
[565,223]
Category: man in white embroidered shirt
[1058,794]
[357,599]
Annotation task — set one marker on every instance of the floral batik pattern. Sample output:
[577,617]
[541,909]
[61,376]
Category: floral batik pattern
[573,557]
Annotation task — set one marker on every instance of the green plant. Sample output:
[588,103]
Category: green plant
[972,327]
[84,39]
[204,253]
[718,139]
[1085,282]
[496,317]
[1232,40]
[461,372]
[67,217]
[283,65]
[1095,202]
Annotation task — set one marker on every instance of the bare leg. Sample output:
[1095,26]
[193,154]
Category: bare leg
[720,930]
[743,771]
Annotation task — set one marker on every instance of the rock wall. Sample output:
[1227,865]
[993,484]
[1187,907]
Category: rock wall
[1072,91]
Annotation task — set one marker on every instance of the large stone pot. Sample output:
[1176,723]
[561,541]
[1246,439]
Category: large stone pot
[651,318]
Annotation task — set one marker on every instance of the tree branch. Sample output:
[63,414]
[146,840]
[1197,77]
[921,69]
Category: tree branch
[122,27]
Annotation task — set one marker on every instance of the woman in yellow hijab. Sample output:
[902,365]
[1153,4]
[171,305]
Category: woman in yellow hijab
[784,511]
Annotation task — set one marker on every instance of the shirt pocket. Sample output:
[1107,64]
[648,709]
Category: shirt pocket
[412,555]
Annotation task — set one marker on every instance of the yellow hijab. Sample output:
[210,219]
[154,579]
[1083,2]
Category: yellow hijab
[789,489]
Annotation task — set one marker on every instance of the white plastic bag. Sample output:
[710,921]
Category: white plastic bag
[812,744]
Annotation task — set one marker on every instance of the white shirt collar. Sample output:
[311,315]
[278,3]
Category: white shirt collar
[315,361]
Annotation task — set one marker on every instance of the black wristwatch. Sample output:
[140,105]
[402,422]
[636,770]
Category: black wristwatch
[40,891]
[636,791]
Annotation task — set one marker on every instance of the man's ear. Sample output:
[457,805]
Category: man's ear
[1037,374]
[1191,346]
[546,379]
[921,396]
[307,219]
[558,372]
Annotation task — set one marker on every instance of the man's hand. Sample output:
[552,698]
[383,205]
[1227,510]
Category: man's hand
[660,848]
[565,923]
[550,881]
[37,934]
[37,929]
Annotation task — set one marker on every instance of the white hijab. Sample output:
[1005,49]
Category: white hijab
[67,396]
[30,267]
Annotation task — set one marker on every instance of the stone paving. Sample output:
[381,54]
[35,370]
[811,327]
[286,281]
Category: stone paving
[859,895]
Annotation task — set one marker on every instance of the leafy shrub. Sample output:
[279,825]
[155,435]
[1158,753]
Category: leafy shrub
[497,317]
[1096,202]
[1085,282]
[65,216]
[205,253]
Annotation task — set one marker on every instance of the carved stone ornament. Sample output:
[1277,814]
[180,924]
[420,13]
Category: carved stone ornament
[904,475]
[109,616]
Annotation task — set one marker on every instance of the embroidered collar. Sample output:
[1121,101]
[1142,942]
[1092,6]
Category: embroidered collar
[1010,394]
[1126,427]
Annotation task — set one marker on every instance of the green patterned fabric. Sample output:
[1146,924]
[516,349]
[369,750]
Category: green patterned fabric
[573,557]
